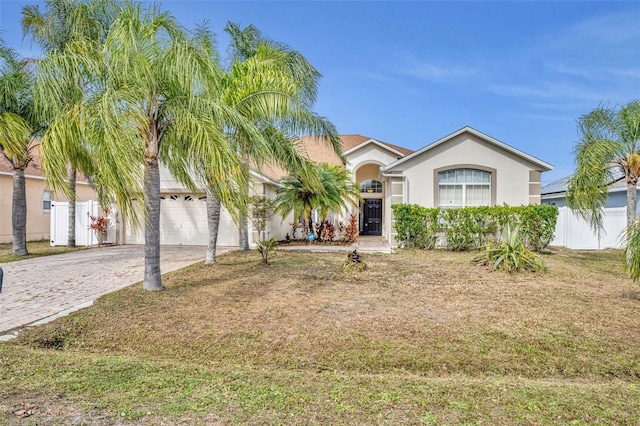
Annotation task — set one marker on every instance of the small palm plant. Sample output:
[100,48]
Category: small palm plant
[510,255]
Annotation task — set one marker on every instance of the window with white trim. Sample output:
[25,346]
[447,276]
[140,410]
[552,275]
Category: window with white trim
[46,201]
[464,187]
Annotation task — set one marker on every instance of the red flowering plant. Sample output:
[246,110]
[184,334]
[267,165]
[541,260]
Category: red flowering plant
[100,225]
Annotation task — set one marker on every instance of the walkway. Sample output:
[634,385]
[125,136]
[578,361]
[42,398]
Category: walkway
[43,288]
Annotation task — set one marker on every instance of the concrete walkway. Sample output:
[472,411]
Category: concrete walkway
[43,288]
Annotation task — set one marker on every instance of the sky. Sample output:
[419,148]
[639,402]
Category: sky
[412,72]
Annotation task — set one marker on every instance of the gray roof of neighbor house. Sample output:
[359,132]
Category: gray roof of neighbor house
[556,187]
[544,166]
[560,186]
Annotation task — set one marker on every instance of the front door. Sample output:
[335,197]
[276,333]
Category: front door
[372,217]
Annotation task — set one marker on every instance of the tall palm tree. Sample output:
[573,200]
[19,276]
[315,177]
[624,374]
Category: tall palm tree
[63,22]
[275,87]
[18,133]
[335,194]
[155,99]
[609,147]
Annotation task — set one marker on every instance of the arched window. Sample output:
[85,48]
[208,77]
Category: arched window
[370,186]
[464,187]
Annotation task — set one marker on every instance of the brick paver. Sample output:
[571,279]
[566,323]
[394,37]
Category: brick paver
[38,288]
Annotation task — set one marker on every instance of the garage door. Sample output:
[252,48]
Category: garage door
[183,220]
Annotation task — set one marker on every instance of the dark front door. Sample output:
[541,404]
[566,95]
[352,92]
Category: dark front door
[372,217]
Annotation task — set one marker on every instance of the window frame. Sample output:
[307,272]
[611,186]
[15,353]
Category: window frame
[436,184]
[44,200]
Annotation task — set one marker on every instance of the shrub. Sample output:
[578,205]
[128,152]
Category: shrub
[510,255]
[473,227]
[351,231]
[265,247]
[417,226]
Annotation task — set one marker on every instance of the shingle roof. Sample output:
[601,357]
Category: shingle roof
[320,151]
[34,168]
[560,186]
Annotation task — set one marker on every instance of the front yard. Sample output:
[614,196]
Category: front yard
[418,338]
[35,249]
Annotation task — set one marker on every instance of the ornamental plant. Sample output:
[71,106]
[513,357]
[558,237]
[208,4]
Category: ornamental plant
[99,225]
[510,255]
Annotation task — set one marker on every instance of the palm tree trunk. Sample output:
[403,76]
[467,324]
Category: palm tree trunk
[71,234]
[152,276]
[632,202]
[213,220]
[243,229]
[19,214]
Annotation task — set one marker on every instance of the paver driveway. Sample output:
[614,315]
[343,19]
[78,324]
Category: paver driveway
[38,288]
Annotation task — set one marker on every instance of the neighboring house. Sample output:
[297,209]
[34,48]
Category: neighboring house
[465,168]
[554,193]
[39,198]
[574,232]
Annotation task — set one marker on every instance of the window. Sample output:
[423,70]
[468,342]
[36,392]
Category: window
[464,187]
[46,201]
[370,186]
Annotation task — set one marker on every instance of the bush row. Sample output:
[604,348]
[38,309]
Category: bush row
[472,227]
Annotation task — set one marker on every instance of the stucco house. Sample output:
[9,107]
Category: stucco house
[39,198]
[465,168]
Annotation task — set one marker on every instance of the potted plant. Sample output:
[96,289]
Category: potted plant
[100,225]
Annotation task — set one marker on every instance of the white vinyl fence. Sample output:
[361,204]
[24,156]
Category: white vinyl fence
[84,235]
[574,233]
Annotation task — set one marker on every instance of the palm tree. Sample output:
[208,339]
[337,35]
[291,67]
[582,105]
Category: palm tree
[63,22]
[336,192]
[155,99]
[18,132]
[609,147]
[274,87]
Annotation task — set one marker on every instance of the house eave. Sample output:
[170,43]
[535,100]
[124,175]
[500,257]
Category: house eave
[544,166]
[375,142]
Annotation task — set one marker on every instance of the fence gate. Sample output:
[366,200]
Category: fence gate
[84,236]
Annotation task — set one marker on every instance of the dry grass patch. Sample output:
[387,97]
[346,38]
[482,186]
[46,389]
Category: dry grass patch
[414,333]
[35,249]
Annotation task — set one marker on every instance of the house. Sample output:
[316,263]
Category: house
[574,232]
[465,168]
[554,193]
[39,198]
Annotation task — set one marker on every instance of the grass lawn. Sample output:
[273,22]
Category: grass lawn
[35,249]
[418,338]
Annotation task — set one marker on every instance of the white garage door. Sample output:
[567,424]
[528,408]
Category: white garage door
[183,220]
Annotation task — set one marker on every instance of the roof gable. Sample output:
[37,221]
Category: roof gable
[541,164]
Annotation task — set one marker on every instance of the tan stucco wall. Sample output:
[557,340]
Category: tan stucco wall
[38,220]
[512,172]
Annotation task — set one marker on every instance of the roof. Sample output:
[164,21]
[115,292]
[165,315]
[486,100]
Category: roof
[557,186]
[544,166]
[350,142]
[560,186]
[33,169]
[320,151]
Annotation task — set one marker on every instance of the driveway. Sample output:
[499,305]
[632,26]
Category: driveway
[46,287]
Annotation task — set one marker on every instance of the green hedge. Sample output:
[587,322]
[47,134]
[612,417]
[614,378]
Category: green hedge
[472,227]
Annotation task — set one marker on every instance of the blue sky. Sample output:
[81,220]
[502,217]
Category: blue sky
[410,73]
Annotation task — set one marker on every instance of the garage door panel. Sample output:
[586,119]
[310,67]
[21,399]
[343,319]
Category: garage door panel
[183,220]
